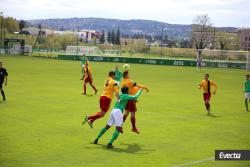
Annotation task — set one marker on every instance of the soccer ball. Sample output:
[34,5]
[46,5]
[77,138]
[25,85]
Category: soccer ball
[126,67]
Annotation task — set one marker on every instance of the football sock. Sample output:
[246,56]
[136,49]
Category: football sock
[101,133]
[2,92]
[93,87]
[114,137]
[246,104]
[95,117]
[124,118]
[207,106]
[133,123]
[84,89]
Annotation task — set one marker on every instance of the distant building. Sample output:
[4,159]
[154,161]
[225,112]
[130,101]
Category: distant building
[244,38]
[88,36]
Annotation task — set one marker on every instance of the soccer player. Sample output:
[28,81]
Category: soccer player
[3,76]
[87,78]
[118,75]
[116,116]
[131,105]
[206,85]
[247,91]
[199,64]
[110,87]
[83,61]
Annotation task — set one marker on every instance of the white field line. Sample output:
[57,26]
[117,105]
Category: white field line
[194,162]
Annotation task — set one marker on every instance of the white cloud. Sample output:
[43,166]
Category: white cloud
[222,12]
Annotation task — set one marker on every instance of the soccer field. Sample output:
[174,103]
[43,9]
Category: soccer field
[40,124]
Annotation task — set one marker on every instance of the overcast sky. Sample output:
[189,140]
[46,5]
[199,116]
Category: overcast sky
[222,12]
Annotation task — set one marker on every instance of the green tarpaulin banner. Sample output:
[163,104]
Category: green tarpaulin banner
[169,62]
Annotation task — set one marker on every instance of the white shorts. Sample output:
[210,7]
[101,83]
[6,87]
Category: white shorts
[116,118]
[247,95]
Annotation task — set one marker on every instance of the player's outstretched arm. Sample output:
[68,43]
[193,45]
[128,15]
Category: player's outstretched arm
[143,87]
[134,97]
[83,77]
[200,85]
[215,86]
[6,77]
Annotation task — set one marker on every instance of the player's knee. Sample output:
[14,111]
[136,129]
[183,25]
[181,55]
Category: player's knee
[132,114]
[119,129]
[102,113]
[107,127]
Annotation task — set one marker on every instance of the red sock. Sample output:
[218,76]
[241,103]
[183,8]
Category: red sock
[95,117]
[207,106]
[93,87]
[133,123]
[84,89]
[124,118]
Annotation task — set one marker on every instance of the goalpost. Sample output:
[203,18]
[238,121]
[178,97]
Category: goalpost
[224,56]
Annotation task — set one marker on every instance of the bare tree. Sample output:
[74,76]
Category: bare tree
[202,32]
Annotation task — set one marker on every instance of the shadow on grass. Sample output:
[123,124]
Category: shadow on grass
[88,95]
[130,149]
[213,116]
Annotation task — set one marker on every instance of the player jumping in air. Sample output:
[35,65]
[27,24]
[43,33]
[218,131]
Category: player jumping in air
[3,76]
[206,85]
[116,116]
[118,75]
[247,91]
[110,86]
[87,78]
[131,105]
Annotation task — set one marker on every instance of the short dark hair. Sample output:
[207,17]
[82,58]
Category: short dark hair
[125,73]
[247,75]
[124,90]
[207,75]
[111,73]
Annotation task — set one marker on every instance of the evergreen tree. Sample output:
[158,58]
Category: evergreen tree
[102,40]
[113,37]
[109,37]
[118,41]
[22,24]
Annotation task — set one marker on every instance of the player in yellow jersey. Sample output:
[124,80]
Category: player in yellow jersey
[131,105]
[110,87]
[207,86]
[87,78]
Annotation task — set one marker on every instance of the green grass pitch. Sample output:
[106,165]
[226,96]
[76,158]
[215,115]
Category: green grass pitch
[40,124]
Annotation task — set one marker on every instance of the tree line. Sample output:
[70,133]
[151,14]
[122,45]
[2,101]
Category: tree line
[113,37]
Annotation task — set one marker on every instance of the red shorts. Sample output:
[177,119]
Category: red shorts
[206,96]
[88,80]
[105,103]
[131,106]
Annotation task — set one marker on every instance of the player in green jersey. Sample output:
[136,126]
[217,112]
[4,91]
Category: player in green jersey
[247,91]
[118,75]
[116,116]
[83,62]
